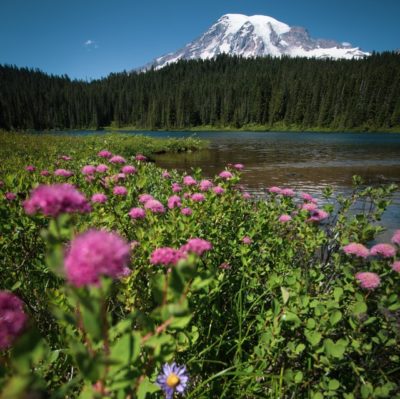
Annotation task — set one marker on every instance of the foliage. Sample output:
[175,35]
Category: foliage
[261,94]
[277,315]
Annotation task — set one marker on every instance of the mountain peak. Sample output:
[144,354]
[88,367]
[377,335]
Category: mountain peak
[257,36]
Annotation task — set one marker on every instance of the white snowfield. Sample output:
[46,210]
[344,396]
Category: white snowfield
[257,36]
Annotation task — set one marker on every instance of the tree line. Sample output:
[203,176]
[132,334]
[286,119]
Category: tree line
[227,91]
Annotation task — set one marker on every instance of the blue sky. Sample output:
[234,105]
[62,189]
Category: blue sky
[88,39]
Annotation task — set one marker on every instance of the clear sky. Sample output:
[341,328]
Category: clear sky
[88,39]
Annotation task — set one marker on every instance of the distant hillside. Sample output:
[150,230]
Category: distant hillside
[228,92]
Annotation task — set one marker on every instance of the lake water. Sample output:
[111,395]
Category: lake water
[303,161]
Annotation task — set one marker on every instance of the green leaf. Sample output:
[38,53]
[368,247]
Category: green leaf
[146,387]
[298,377]
[285,295]
[335,350]
[359,308]
[335,317]
[337,293]
[333,385]
[313,337]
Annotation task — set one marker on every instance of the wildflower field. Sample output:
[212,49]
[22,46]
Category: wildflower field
[123,280]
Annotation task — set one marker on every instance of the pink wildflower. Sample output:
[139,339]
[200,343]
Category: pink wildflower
[12,318]
[176,187]
[225,266]
[317,215]
[45,173]
[140,157]
[94,254]
[356,249]
[166,256]
[118,177]
[218,190]
[285,218]
[287,192]
[99,198]
[198,197]
[65,158]
[197,246]
[247,240]
[368,280]
[137,213]
[226,175]
[30,168]
[396,266]
[154,206]
[396,237]
[309,206]
[143,198]
[205,185]
[238,166]
[174,202]
[186,211]
[63,173]
[186,195]
[10,196]
[246,196]
[274,190]
[120,190]
[52,200]
[128,170]
[88,170]
[117,159]
[165,174]
[189,181]
[101,168]
[384,250]
[104,154]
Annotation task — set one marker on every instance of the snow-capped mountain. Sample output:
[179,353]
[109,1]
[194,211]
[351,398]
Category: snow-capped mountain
[257,36]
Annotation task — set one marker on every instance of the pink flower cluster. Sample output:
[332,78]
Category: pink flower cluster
[368,280]
[384,250]
[396,237]
[12,318]
[356,249]
[128,170]
[10,196]
[285,218]
[143,198]
[174,202]
[120,190]
[88,170]
[166,256]
[140,157]
[205,185]
[198,197]
[226,175]
[189,181]
[101,168]
[137,213]
[186,211]
[117,159]
[218,190]
[154,206]
[99,198]
[197,246]
[247,240]
[96,253]
[176,188]
[63,173]
[52,200]
[104,154]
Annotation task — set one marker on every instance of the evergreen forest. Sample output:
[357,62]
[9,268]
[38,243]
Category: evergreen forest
[226,92]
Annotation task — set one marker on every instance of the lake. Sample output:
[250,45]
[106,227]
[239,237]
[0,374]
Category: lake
[303,161]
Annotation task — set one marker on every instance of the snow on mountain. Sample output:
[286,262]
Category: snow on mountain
[257,36]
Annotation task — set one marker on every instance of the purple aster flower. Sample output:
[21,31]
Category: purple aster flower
[384,250]
[120,190]
[96,253]
[287,192]
[189,181]
[356,249]
[140,157]
[173,378]
[176,187]
[10,196]
[285,218]
[166,256]
[117,159]
[174,202]
[128,170]
[88,170]
[12,318]
[104,154]
[205,185]
[226,175]
[186,211]
[137,213]
[63,173]
[275,190]
[197,246]
[154,206]
[218,190]
[143,198]
[101,168]
[99,198]
[198,197]
[52,200]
